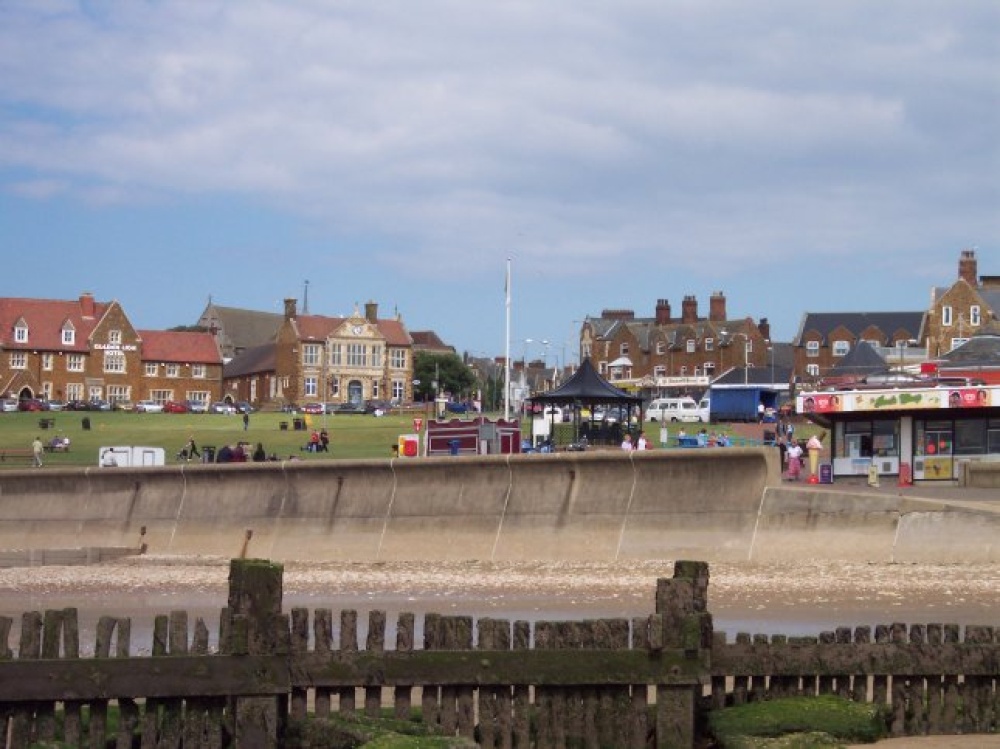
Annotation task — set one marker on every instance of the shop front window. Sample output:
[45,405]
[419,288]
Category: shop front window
[970,436]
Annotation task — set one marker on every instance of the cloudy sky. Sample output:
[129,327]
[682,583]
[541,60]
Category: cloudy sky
[795,156]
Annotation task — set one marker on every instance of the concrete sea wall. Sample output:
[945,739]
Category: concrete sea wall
[716,505]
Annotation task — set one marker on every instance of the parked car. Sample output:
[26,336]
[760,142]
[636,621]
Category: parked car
[313,408]
[98,404]
[123,405]
[244,407]
[221,407]
[291,408]
[458,407]
[8,405]
[175,407]
[196,407]
[351,407]
[30,404]
[55,405]
[148,407]
[76,405]
[377,406]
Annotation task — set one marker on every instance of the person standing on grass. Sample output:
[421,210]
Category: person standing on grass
[37,448]
[246,420]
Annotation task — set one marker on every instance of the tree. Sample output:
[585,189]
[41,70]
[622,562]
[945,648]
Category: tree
[452,375]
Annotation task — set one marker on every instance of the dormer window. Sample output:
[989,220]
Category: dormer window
[812,348]
[21,333]
[840,348]
[68,335]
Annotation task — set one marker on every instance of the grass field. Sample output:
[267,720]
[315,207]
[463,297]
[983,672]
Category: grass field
[351,436]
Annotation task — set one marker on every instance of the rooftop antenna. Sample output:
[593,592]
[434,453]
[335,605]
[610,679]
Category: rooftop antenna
[305,299]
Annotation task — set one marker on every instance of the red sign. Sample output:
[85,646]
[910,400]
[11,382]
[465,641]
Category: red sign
[418,424]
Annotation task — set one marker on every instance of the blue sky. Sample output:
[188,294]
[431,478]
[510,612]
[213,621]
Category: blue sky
[798,157]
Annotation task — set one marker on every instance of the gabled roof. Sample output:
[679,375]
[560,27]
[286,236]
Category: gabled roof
[982,350]
[243,328]
[586,386]
[174,346]
[428,340]
[856,323]
[45,319]
[862,359]
[319,327]
[256,360]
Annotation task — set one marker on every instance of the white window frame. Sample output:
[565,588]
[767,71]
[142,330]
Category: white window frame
[114,360]
[172,370]
[310,386]
[18,360]
[661,348]
[709,344]
[68,336]
[947,317]
[398,390]
[311,355]
[812,370]
[975,315]
[336,355]
[841,348]
[691,345]
[956,342]
[48,362]
[623,349]
[397,358]
[198,372]
[20,333]
[115,337]
[76,363]
[151,368]
[812,350]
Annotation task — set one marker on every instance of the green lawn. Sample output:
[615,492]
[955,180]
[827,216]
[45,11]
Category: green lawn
[351,436]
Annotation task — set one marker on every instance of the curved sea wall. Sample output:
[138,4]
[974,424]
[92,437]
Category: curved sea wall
[717,505]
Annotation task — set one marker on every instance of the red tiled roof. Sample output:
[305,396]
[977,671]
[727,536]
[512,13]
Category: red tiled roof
[45,319]
[176,346]
[318,327]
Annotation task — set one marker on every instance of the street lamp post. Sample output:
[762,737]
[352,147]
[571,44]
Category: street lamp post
[746,352]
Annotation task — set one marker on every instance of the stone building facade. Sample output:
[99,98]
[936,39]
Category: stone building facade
[960,311]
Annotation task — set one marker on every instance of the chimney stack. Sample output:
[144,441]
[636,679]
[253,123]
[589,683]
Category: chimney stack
[290,309]
[371,312]
[662,312]
[968,268]
[717,307]
[765,328]
[618,314]
[88,308]
[689,310]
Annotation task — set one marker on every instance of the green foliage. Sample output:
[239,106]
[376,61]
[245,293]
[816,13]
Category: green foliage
[451,373]
[357,731]
[797,722]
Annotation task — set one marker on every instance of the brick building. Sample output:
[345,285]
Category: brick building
[959,311]
[84,349]
[665,351]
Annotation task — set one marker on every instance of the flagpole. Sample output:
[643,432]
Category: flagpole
[506,354]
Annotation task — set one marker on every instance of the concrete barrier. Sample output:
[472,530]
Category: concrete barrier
[713,504]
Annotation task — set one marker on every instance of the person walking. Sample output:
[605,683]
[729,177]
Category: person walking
[794,455]
[324,441]
[642,443]
[246,420]
[37,448]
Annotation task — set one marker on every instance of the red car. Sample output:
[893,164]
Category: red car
[174,407]
[313,408]
[30,404]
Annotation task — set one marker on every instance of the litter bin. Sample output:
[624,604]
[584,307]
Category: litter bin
[770,438]
[86,423]
[299,424]
[453,447]
[208,453]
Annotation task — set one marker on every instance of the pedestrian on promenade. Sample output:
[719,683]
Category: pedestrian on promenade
[37,448]
[794,455]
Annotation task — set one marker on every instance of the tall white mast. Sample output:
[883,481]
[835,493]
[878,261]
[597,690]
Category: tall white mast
[506,355]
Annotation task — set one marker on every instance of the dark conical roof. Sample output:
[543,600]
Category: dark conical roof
[860,360]
[586,386]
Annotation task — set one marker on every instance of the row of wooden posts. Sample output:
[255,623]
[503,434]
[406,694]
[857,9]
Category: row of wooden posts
[588,683]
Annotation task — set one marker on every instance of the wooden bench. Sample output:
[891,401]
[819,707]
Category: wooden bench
[60,448]
[22,454]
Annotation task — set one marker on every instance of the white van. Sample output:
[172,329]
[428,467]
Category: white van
[677,409]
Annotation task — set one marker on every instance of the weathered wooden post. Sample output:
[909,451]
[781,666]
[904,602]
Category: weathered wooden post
[254,623]
[682,602]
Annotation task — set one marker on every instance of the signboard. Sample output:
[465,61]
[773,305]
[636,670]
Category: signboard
[418,424]
[897,399]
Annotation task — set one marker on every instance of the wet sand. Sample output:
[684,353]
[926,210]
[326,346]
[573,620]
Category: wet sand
[791,599]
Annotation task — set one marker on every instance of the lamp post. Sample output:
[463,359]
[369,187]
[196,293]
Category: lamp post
[746,352]
[770,353]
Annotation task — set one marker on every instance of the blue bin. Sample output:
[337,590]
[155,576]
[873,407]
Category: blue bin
[453,446]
